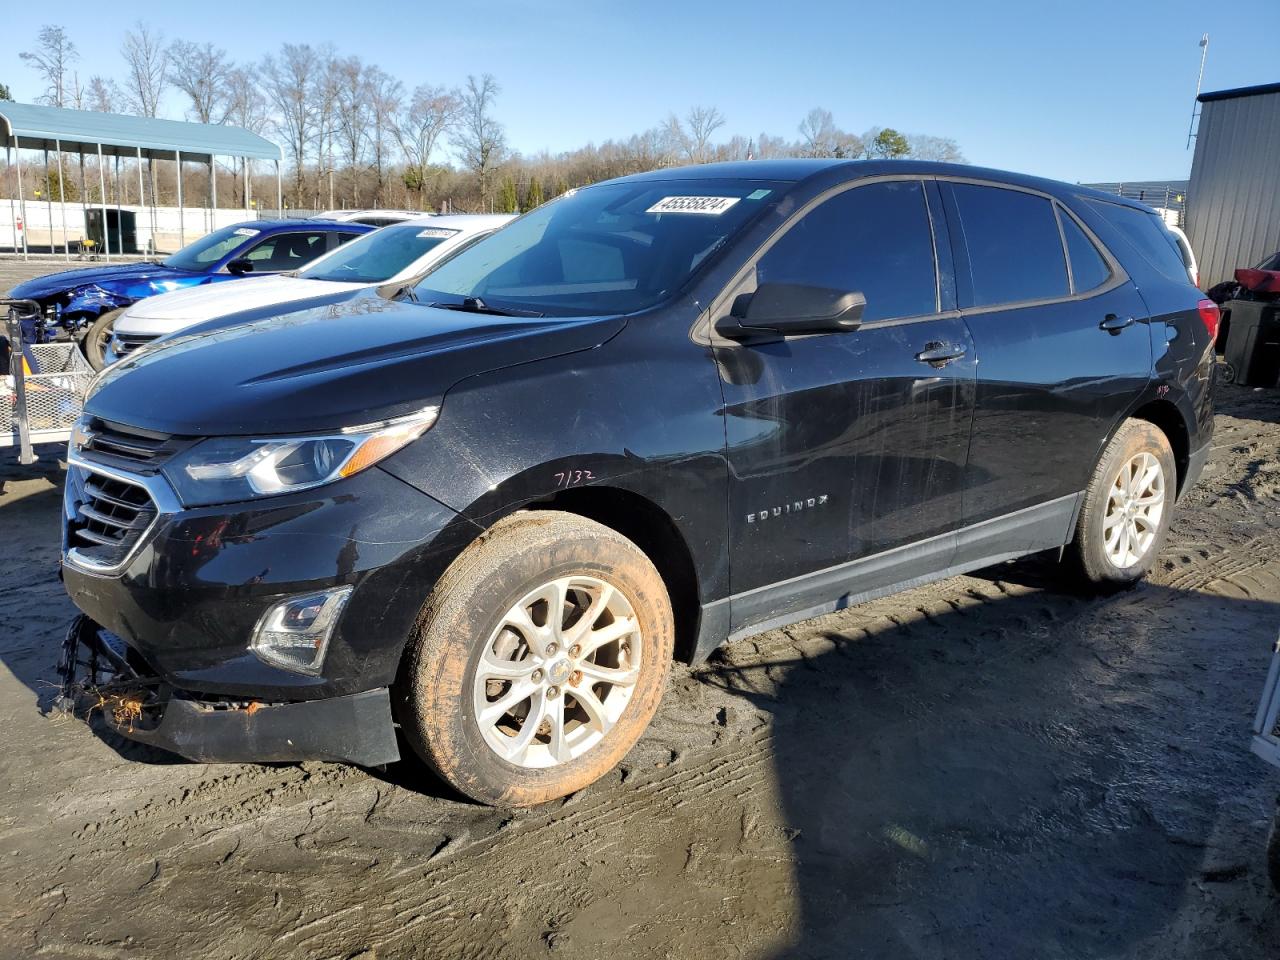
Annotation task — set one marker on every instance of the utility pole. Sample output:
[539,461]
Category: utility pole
[1195,105]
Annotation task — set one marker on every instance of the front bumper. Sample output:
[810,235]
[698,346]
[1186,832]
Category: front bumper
[357,728]
[190,593]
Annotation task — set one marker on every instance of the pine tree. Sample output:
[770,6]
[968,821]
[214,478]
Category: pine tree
[508,200]
[533,196]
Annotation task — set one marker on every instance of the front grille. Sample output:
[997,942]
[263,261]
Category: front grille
[126,343]
[115,443]
[110,517]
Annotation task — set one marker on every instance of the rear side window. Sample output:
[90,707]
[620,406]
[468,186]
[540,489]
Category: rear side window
[1147,234]
[287,251]
[1088,269]
[1015,250]
[876,240]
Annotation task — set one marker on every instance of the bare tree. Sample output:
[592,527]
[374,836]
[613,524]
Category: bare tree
[247,108]
[701,123]
[101,94]
[289,82]
[52,59]
[147,63]
[326,108]
[428,114]
[818,133]
[385,94]
[201,71]
[480,136]
[354,112]
[926,147]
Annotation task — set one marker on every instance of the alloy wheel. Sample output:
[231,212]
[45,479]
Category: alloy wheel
[1135,504]
[555,676]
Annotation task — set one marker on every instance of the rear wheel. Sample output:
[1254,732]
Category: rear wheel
[97,337]
[1127,507]
[539,660]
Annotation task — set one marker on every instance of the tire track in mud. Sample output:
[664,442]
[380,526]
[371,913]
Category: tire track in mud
[524,849]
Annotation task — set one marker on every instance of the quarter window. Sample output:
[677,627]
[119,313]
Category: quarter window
[1088,269]
[1147,233]
[875,240]
[1015,250]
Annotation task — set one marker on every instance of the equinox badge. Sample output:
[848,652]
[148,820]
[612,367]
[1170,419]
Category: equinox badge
[786,509]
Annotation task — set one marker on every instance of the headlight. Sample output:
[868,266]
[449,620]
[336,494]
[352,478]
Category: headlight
[230,469]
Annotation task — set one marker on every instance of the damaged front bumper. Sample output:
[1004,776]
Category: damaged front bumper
[99,673]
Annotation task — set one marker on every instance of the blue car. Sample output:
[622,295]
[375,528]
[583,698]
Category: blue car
[84,302]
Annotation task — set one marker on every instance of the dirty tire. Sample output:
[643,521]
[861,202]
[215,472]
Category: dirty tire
[1087,553]
[433,695]
[97,337]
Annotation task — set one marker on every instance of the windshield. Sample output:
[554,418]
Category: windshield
[610,249]
[210,248]
[377,256]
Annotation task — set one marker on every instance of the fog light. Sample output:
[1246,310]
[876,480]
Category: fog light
[294,634]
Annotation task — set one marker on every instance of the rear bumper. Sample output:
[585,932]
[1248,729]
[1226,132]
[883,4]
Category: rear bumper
[98,673]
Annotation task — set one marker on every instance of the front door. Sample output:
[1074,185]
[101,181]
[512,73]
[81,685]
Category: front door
[847,448]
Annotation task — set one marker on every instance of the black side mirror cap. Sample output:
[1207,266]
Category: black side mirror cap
[791,308]
[240,266]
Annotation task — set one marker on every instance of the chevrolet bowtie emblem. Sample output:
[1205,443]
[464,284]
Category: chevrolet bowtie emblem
[80,436]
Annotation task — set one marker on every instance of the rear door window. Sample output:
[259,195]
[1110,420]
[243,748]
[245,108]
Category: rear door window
[876,240]
[288,251]
[1147,234]
[1015,249]
[1088,269]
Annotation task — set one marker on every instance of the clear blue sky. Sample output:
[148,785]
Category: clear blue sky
[1082,91]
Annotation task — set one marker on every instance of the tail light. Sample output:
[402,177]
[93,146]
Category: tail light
[1259,281]
[1209,316]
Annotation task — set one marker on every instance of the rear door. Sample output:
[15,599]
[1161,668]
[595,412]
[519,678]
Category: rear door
[846,449]
[1063,349]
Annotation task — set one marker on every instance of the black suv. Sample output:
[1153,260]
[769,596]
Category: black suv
[650,416]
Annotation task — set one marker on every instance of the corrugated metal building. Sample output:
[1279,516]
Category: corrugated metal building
[1233,211]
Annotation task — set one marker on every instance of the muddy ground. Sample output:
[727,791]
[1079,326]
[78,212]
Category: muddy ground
[987,767]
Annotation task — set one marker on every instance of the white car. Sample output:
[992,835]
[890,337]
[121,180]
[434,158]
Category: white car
[375,218]
[395,254]
[1188,255]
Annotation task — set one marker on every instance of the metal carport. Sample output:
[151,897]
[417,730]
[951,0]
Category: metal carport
[25,126]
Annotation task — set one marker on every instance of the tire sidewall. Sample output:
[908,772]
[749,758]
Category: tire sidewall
[439,685]
[95,354]
[1134,438]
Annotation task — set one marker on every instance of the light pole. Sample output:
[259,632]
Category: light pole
[1195,105]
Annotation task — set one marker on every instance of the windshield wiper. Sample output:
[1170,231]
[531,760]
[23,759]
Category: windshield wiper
[476,305]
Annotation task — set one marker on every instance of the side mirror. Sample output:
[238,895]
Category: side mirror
[240,267]
[791,308]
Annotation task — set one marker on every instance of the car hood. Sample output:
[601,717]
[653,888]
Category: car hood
[115,277]
[319,369]
[173,311]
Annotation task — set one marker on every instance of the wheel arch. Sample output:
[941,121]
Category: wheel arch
[651,529]
[1165,416]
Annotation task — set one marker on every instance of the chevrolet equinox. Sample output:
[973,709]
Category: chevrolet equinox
[481,516]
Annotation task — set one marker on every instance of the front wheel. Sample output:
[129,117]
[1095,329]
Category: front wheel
[97,337]
[1127,507]
[539,660]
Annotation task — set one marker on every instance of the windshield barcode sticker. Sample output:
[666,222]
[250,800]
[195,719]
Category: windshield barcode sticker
[437,232]
[246,232]
[709,205]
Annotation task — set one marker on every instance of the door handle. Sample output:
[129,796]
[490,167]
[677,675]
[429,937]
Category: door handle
[1113,324]
[938,354]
